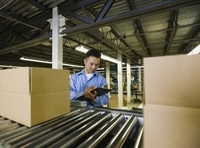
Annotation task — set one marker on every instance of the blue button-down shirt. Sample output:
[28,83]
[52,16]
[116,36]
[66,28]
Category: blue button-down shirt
[79,83]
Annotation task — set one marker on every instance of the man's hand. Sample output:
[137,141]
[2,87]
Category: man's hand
[87,94]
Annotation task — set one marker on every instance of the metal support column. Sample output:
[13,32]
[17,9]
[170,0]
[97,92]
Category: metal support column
[57,41]
[128,75]
[120,80]
[108,75]
[139,79]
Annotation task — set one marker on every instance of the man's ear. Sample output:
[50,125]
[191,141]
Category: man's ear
[84,61]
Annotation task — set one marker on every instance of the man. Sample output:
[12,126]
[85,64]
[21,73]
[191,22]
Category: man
[81,83]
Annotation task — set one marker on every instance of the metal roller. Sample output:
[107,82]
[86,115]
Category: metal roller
[82,127]
[37,133]
[139,137]
[3,122]
[57,134]
[7,127]
[94,140]
[37,127]
[13,132]
[119,139]
[71,139]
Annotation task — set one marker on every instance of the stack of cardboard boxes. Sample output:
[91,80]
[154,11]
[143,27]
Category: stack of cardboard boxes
[172,102]
[113,101]
[34,95]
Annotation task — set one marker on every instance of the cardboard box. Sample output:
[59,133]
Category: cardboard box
[171,101]
[172,80]
[33,95]
[171,127]
[113,101]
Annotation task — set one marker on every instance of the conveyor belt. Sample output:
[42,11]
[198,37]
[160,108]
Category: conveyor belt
[97,127]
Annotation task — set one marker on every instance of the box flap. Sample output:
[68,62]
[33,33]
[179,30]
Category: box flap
[15,80]
[45,80]
[172,80]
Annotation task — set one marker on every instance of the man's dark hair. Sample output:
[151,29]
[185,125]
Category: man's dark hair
[94,53]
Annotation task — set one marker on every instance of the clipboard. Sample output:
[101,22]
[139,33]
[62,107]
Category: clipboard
[101,91]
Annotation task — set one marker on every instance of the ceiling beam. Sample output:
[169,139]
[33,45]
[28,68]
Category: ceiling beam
[108,4]
[36,4]
[183,47]
[155,8]
[170,5]
[66,7]
[27,44]
[141,43]
[131,4]
[124,42]
[101,15]
[171,34]
[143,39]
[7,16]
[81,18]
[97,39]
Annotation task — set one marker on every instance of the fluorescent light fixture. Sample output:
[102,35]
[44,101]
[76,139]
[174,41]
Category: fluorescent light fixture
[8,66]
[71,65]
[82,49]
[137,66]
[100,68]
[105,57]
[196,50]
[48,62]
[34,60]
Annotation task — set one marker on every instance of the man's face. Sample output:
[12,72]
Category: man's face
[91,64]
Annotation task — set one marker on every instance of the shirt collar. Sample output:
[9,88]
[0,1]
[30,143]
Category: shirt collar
[83,72]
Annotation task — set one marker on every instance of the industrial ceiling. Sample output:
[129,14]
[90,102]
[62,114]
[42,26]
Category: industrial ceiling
[135,28]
